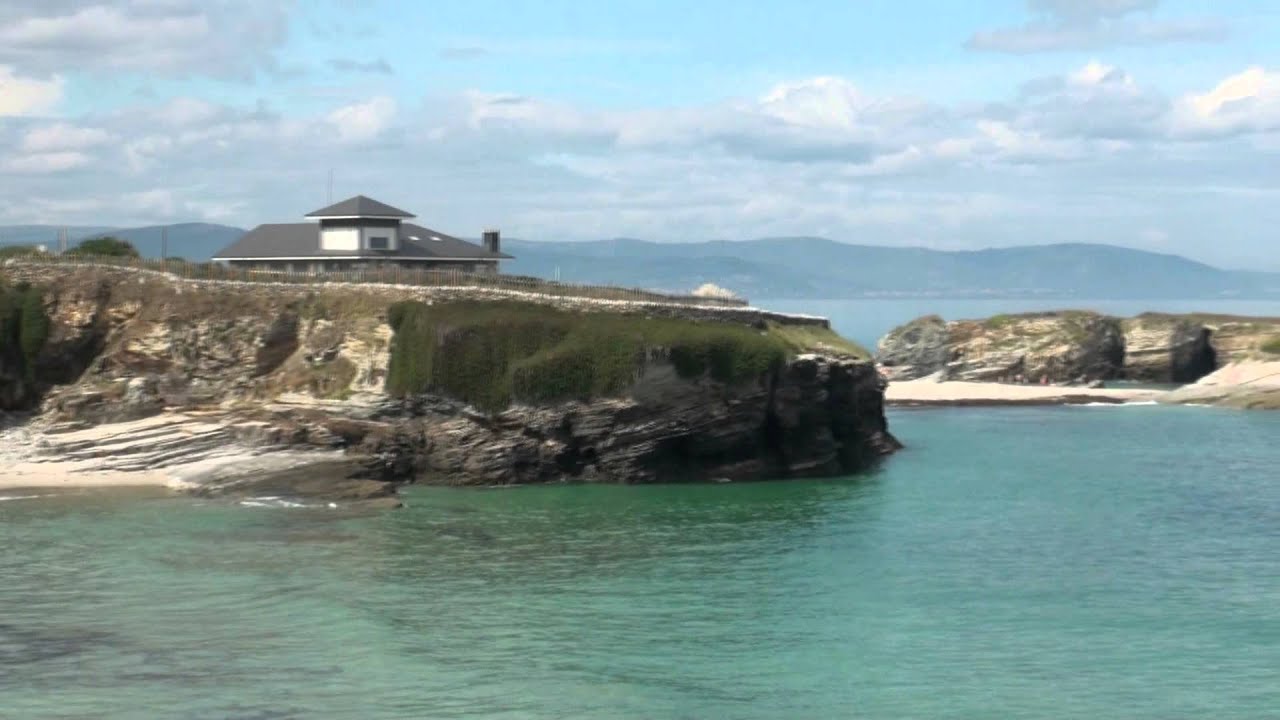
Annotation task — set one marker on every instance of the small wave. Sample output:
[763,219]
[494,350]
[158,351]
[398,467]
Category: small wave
[4,498]
[1139,403]
[275,501]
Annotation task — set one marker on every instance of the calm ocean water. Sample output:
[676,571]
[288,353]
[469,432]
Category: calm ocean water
[1089,562]
[868,320]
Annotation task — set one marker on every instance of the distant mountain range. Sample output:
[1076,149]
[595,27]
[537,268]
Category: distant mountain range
[807,267]
[800,267]
[192,241]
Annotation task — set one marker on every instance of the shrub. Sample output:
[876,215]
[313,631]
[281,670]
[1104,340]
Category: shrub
[33,329]
[105,246]
[24,326]
[491,354]
[1272,346]
[9,251]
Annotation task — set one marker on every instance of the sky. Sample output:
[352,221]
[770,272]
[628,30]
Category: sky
[950,124]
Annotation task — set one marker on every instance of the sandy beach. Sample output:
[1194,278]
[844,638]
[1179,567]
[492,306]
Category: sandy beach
[929,392]
[23,475]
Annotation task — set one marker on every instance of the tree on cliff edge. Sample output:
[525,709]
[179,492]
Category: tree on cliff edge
[105,246]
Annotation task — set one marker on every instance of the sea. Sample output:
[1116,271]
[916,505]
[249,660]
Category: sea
[1061,562]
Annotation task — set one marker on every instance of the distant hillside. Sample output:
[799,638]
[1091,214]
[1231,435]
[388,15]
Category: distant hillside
[46,235]
[802,267]
[193,241]
[821,268]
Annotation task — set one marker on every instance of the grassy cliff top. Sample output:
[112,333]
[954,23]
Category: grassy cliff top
[491,354]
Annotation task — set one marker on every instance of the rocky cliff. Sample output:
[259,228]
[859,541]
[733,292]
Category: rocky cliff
[212,380]
[1075,347]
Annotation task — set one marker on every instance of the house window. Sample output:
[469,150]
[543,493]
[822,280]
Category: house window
[379,243]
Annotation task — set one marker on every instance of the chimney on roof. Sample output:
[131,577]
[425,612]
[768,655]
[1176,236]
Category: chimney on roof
[492,240]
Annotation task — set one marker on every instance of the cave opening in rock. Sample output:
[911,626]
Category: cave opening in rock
[1201,359]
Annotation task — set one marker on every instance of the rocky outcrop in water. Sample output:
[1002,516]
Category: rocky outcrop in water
[815,417]
[1062,347]
[226,380]
[1074,347]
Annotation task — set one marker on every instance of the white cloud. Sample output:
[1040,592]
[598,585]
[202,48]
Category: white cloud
[228,38]
[1090,10]
[822,102]
[1246,102]
[61,136]
[184,111]
[46,162]
[1088,153]
[365,121]
[1098,102]
[1095,73]
[1063,25]
[27,96]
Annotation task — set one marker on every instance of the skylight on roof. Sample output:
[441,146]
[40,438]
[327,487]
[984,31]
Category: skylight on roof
[436,238]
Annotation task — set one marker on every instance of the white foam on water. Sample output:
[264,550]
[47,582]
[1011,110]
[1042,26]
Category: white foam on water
[1139,403]
[273,501]
[4,498]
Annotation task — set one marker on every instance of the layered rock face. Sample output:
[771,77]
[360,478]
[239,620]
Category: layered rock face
[1062,347]
[219,374]
[1074,347]
[815,417]
[920,348]
[1167,349]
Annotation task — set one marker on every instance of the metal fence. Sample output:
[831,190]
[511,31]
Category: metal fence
[381,275]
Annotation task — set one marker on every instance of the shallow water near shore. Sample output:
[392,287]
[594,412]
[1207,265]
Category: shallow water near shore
[1113,562]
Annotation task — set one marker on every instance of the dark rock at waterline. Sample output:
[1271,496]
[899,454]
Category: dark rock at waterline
[328,480]
[814,417]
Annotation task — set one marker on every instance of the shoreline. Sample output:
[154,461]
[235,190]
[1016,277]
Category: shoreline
[172,450]
[54,475]
[928,392]
[74,476]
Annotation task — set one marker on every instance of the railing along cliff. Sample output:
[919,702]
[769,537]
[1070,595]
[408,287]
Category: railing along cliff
[392,275]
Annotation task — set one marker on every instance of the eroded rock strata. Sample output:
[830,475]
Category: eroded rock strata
[227,385]
[1076,347]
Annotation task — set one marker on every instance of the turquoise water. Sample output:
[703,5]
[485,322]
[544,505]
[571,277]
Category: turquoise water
[1013,563]
[868,320]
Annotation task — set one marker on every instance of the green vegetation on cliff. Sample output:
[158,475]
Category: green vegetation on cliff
[10,251]
[1272,346]
[24,326]
[491,354]
[107,246]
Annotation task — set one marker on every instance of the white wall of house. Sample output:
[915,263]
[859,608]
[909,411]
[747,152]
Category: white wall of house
[340,239]
[393,242]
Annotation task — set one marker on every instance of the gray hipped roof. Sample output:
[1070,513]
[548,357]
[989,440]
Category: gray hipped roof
[360,206]
[302,240]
